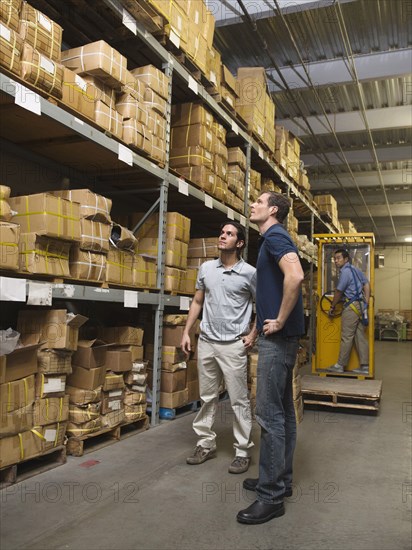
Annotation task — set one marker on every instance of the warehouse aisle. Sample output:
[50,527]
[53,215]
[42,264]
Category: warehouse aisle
[352,473]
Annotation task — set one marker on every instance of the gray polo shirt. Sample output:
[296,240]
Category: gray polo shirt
[229,294]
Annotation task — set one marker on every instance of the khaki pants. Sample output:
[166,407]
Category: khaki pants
[352,330]
[227,361]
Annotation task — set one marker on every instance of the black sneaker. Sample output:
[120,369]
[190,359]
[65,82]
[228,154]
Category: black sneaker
[200,455]
[250,485]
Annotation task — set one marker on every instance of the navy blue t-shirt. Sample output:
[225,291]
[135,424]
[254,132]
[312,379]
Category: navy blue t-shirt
[273,245]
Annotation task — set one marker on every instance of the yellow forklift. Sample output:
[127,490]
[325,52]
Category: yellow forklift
[348,389]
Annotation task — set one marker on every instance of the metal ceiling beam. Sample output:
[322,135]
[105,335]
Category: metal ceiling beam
[334,72]
[375,197]
[228,12]
[352,121]
[324,182]
[362,156]
[377,210]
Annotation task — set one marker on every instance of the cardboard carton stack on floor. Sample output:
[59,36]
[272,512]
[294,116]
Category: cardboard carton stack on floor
[49,225]
[177,238]
[9,234]
[198,148]
[88,257]
[143,105]
[124,389]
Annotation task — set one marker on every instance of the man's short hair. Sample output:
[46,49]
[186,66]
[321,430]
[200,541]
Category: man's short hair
[282,202]
[240,232]
[344,252]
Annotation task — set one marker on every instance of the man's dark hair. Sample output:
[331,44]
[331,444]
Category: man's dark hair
[240,233]
[344,252]
[282,202]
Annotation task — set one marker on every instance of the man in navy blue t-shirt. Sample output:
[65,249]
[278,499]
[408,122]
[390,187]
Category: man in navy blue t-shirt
[280,323]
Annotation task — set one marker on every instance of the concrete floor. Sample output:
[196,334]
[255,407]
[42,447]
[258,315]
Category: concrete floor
[352,473]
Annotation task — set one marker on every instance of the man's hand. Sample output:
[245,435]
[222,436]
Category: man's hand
[271,326]
[331,311]
[248,341]
[185,345]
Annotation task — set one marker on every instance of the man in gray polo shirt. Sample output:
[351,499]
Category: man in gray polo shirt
[225,290]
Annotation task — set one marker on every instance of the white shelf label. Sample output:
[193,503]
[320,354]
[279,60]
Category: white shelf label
[129,22]
[125,155]
[184,303]
[208,201]
[174,38]
[12,290]
[78,121]
[40,294]
[235,127]
[260,152]
[183,187]
[131,298]
[193,85]
[242,220]
[67,290]
[27,99]
[230,214]
[102,290]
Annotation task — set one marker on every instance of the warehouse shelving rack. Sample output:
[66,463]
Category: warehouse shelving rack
[113,150]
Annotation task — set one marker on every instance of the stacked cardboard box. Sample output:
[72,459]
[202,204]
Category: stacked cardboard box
[327,205]
[255,184]
[303,180]
[198,150]
[348,226]
[10,13]
[269,185]
[5,210]
[9,246]
[88,257]
[293,157]
[11,43]
[281,146]
[236,175]
[48,226]
[142,105]
[228,87]
[201,250]
[177,238]
[292,226]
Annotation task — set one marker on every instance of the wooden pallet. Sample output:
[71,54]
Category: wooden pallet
[9,475]
[193,406]
[346,393]
[78,446]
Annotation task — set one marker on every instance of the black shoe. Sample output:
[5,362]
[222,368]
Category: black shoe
[250,485]
[260,512]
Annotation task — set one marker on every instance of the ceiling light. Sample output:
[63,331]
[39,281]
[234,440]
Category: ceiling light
[408,239]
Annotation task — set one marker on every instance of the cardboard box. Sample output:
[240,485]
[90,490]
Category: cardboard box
[298,405]
[177,226]
[172,279]
[119,267]
[118,360]
[22,362]
[187,114]
[181,157]
[94,236]
[123,238]
[134,412]
[133,397]
[53,435]
[92,206]
[152,100]
[213,64]
[199,175]
[252,364]
[43,255]
[112,401]
[172,336]
[237,156]
[113,418]
[172,357]
[17,421]
[136,352]
[11,49]
[133,87]
[169,381]
[98,59]
[100,91]
[174,400]
[55,328]
[153,79]
[113,381]
[42,72]
[90,354]
[136,134]
[52,361]
[50,410]
[136,380]
[19,447]
[195,134]
[176,251]
[125,335]
[41,32]
[16,394]
[80,414]
[47,215]
[188,281]
[81,396]
[109,119]
[91,426]
[10,13]
[87,266]
[205,247]
[87,379]
[144,272]
[50,385]
[75,94]
[9,246]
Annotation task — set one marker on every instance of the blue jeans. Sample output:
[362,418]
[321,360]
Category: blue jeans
[276,415]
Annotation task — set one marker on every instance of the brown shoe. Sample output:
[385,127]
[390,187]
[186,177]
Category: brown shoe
[239,465]
[200,455]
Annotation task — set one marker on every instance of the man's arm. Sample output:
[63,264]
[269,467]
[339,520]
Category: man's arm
[249,339]
[194,311]
[367,292]
[337,297]
[293,278]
